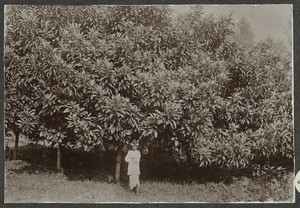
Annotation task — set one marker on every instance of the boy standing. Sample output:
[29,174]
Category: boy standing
[133,159]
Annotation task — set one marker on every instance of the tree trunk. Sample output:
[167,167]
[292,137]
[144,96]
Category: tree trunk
[118,164]
[58,157]
[188,154]
[152,154]
[17,136]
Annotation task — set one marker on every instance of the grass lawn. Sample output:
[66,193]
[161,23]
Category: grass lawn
[35,186]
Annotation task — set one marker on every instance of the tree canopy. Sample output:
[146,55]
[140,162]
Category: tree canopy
[101,76]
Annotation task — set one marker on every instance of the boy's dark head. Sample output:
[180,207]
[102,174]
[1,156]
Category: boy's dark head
[134,145]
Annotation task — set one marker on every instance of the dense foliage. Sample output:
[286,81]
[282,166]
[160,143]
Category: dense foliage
[98,77]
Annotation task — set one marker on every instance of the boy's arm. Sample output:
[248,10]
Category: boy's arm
[127,158]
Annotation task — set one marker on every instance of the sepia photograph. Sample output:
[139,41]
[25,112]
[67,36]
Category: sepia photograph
[149,103]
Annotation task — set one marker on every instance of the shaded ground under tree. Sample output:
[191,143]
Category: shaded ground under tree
[100,166]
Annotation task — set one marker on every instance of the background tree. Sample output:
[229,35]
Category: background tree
[244,32]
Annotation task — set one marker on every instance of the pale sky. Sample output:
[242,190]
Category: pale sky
[270,20]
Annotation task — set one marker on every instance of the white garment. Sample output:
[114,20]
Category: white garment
[133,158]
[134,181]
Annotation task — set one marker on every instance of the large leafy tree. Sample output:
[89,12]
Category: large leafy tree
[102,76]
